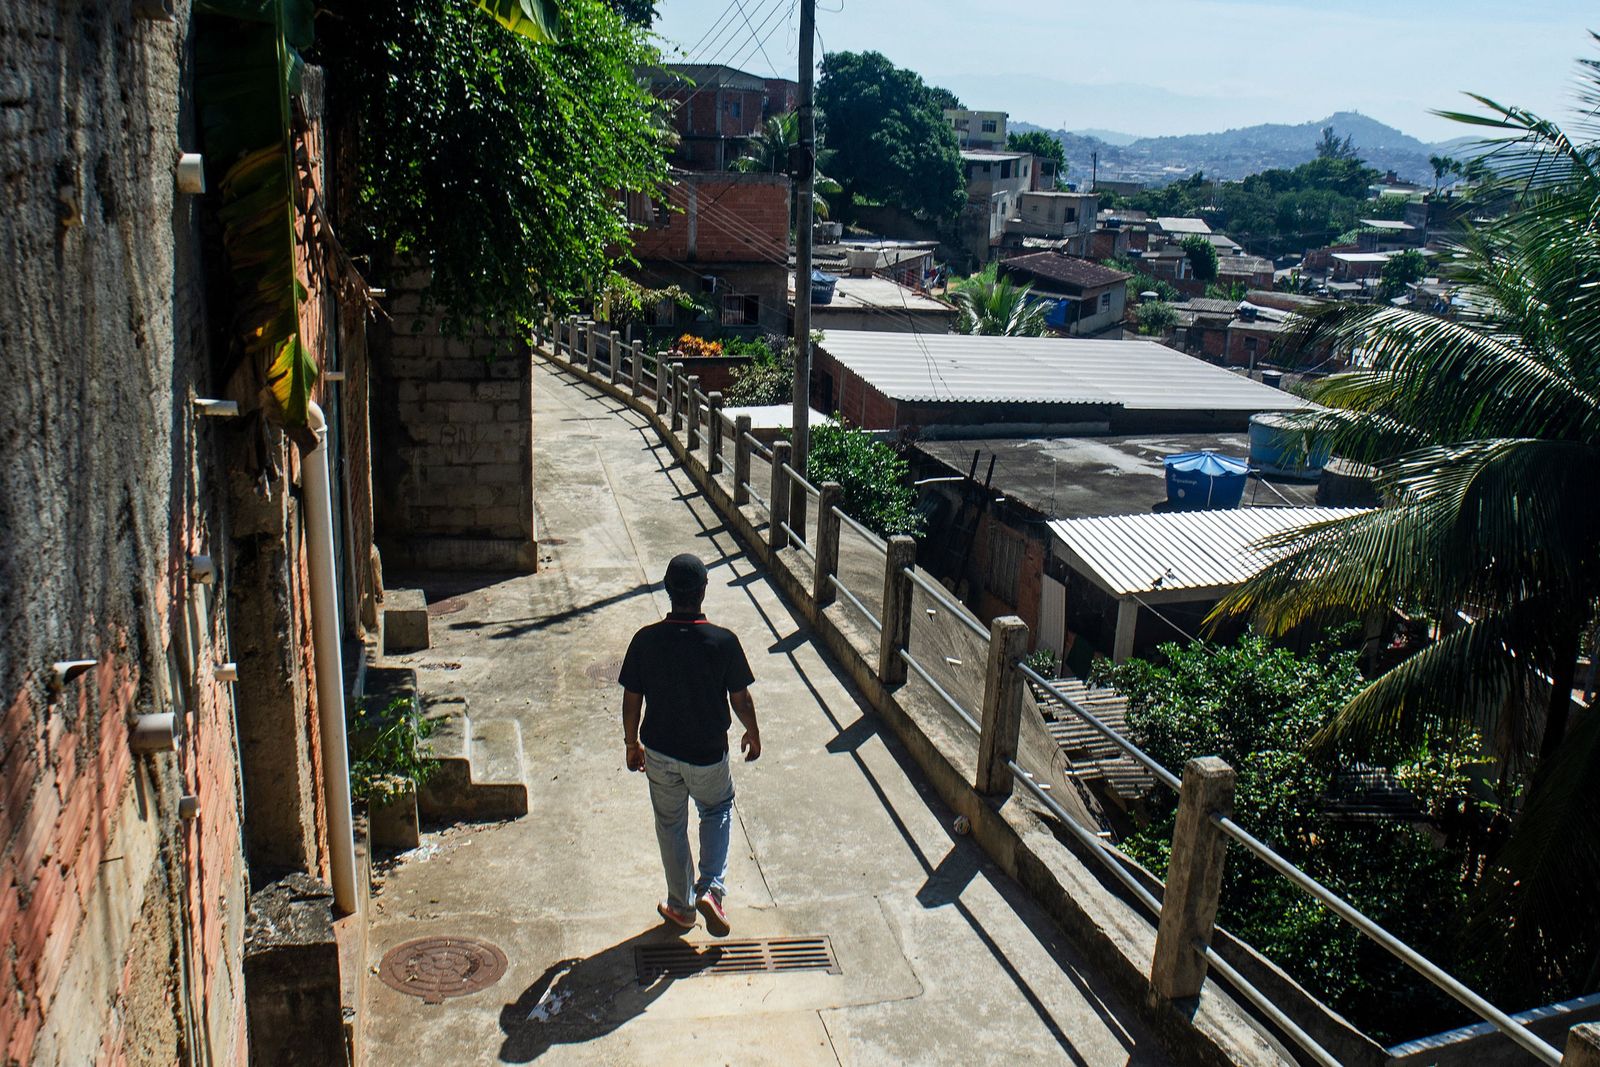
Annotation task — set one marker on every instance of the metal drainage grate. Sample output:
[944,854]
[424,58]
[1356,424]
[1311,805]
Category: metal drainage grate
[437,967]
[684,959]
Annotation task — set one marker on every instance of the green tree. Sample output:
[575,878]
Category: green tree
[995,306]
[493,162]
[890,139]
[1155,317]
[1399,271]
[1202,255]
[1485,432]
[1041,144]
[874,479]
[767,379]
[1331,147]
[1258,707]
[944,99]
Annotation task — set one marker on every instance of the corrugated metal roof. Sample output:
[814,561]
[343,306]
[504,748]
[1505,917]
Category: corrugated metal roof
[961,368]
[1182,224]
[1199,550]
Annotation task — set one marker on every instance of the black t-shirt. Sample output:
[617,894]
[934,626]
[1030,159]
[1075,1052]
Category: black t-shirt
[686,667]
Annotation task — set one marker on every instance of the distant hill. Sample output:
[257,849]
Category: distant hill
[1108,136]
[1237,153]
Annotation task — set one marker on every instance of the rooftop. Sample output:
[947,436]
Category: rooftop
[706,74]
[1134,375]
[1119,474]
[1203,553]
[877,294]
[975,156]
[1071,270]
[1386,224]
[1182,224]
[1243,265]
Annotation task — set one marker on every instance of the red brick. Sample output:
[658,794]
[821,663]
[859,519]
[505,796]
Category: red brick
[38,837]
[53,959]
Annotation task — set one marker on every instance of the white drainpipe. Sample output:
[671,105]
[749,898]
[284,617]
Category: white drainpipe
[325,638]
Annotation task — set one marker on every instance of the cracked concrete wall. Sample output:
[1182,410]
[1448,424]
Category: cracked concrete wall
[120,925]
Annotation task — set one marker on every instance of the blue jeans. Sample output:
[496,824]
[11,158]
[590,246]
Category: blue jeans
[672,783]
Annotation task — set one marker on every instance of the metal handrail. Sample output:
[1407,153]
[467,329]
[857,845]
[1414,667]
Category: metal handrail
[797,541]
[1265,1006]
[1108,855]
[797,476]
[1397,948]
[757,497]
[955,705]
[936,591]
[758,448]
[872,539]
[845,592]
[1149,762]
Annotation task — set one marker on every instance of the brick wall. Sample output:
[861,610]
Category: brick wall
[118,922]
[733,218]
[454,478]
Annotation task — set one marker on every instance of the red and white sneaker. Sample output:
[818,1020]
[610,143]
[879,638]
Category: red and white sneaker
[683,920]
[710,906]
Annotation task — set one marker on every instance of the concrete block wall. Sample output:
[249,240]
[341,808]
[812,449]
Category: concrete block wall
[455,471]
[119,923]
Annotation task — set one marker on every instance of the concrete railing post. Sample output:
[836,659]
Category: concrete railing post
[591,346]
[714,433]
[572,341]
[614,350]
[1583,1046]
[636,369]
[779,499]
[1002,705]
[828,496]
[1194,879]
[741,461]
[896,637]
[693,392]
[659,380]
[675,384]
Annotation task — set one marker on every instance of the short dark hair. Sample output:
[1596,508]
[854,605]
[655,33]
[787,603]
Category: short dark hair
[687,600]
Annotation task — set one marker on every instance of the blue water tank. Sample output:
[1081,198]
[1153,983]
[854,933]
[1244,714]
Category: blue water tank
[1276,447]
[1200,481]
[822,287]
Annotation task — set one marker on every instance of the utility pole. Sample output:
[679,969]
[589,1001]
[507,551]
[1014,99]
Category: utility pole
[1094,172]
[804,167]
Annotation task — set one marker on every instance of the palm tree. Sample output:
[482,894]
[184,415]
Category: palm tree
[1485,432]
[768,152]
[987,304]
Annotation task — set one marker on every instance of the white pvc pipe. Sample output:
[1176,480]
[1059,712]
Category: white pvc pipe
[325,642]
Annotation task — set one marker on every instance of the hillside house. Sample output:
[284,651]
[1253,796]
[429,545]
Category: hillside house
[995,184]
[1087,299]
[723,237]
[979,131]
[1068,219]
[872,302]
[714,110]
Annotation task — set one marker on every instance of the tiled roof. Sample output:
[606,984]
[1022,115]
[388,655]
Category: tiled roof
[1083,273]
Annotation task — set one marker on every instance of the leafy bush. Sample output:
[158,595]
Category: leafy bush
[1043,661]
[393,752]
[875,479]
[766,379]
[1258,707]
[1202,255]
[751,346]
[1155,317]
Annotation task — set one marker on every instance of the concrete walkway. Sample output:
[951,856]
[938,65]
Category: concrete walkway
[942,959]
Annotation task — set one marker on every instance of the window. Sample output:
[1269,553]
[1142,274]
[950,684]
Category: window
[1072,214]
[1250,347]
[961,124]
[1105,301]
[663,213]
[740,309]
[988,126]
[1005,168]
[1005,563]
[735,108]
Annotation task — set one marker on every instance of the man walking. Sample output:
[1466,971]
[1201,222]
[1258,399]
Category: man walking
[683,674]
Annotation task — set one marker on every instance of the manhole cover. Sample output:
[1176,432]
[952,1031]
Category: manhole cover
[685,959]
[447,606]
[604,673]
[440,666]
[552,540]
[437,967]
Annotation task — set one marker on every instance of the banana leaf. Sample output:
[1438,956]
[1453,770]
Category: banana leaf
[537,20]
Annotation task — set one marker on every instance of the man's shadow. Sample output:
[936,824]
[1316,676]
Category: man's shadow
[582,998]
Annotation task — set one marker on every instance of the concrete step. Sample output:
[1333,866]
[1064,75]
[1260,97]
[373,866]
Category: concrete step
[480,772]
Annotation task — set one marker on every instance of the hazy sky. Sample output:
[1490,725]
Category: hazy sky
[1180,66]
